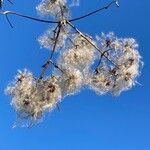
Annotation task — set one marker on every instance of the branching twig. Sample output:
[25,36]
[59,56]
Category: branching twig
[96,11]
[45,66]
[49,21]
[96,47]
[6,13]
[101,57]
[56,40]
[49,61]
[9,21]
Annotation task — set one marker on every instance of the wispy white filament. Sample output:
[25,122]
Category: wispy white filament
[54,8]
[71,81]
[49,38]
[80,56]
[31,98]
[116,79]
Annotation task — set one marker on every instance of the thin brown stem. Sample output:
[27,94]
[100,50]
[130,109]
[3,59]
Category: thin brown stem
[27,17]
[9,22]
[49,21]
[95,11]
[68,37]
[45,67]
[95,46]
[49,61]
[61,9]
[56,40]
[101,57]
[57,67]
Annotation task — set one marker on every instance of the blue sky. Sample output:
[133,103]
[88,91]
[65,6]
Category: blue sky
[85,121]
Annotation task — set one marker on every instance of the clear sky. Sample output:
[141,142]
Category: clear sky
[85,121]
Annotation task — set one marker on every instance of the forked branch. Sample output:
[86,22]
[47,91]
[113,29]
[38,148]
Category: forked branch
[7,13]
[95,46]
[96,11]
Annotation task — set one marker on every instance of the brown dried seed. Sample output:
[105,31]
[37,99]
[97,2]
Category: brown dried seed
[26,102]
[51,88]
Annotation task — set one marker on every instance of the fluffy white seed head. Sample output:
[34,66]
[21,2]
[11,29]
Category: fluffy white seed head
[127,60]
[83,42]
[81,55]
[55,8]
[31,98]
[23,82]
[100,81]
[71,81]
[49,38]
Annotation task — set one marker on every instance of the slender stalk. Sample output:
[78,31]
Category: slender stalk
[56,40]
[96,47]
[101,57]
[49,61]
[49,21]
[9,22]
[45,67]
[27,17]
[95,11]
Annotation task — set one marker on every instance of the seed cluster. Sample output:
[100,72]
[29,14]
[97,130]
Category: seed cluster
[107,64]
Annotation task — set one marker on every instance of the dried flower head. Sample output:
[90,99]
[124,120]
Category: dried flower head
[71,81]
[115,79]
[80,57]
[31,98]
[51,38]
[55,8]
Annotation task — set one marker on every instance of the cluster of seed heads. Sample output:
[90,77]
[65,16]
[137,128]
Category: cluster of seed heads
[106,64]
